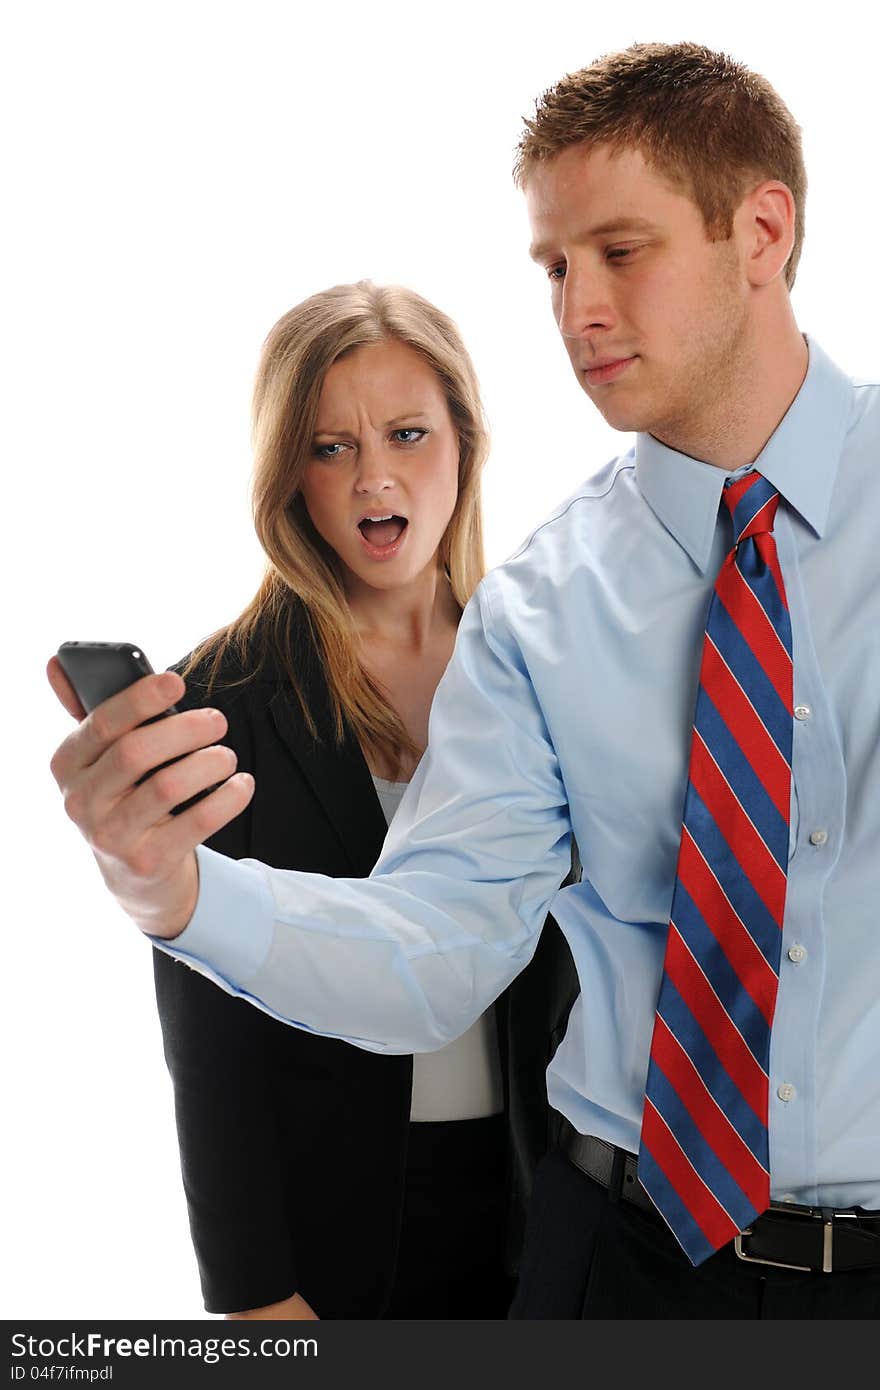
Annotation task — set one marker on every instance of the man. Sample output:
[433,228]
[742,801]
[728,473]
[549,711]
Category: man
[708,1166]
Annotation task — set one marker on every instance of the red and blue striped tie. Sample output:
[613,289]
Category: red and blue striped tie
[704,1153]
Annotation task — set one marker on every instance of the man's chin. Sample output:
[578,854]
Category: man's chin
[626,416]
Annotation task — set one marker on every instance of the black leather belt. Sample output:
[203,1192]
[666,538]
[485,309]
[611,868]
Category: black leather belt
[787,1236]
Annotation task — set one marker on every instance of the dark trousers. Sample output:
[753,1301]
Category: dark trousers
[587,1256]
[450,1261]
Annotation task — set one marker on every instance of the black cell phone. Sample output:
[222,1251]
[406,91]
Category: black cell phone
[97,670]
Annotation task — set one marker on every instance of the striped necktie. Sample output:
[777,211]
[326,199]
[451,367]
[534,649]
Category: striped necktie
[704,1153]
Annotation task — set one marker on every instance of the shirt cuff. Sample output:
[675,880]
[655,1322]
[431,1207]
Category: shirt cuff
[233,925]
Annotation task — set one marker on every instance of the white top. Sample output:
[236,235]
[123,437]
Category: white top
[462,1081]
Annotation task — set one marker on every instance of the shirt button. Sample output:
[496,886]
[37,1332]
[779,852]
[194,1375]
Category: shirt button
[786,1091]
[797,953]
[802,712]
[819,837]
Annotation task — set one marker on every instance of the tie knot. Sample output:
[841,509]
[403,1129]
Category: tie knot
[752,503]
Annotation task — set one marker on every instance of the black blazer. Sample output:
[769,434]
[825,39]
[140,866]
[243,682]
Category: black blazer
[293,1146]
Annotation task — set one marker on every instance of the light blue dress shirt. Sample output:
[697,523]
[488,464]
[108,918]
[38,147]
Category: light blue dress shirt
[568,706]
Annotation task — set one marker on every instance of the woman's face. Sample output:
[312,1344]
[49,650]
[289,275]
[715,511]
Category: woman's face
[382,480]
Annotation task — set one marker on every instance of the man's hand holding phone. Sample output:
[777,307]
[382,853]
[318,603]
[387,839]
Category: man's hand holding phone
[146,855]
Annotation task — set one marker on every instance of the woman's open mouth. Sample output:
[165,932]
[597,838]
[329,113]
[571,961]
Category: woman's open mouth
[383,535]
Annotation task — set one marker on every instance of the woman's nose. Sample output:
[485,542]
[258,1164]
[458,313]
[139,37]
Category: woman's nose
[374,469]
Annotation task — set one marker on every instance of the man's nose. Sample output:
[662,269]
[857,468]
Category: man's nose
[583,304]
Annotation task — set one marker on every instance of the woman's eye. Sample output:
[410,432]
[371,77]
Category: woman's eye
[327,451]
[413,435]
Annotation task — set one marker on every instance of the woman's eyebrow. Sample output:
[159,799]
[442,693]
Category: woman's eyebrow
[409,415]
[389,424]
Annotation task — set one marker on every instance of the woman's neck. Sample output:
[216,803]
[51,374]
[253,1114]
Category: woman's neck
[410,617]
[405,639]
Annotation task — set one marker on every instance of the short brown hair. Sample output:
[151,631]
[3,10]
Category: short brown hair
[708,123]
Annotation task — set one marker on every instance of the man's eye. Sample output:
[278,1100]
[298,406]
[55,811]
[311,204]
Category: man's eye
[555,272]
[414,435]
[621,253]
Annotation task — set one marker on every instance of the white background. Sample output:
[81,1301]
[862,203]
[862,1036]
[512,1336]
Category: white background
[176,177]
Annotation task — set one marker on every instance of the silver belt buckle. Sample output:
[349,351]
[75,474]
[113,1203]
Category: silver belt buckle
[828,1218]
[777,1264]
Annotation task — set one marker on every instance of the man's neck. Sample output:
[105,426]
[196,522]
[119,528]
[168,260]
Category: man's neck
[751,404]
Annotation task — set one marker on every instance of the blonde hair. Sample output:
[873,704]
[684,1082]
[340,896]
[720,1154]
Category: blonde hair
[710,124]
[296,356]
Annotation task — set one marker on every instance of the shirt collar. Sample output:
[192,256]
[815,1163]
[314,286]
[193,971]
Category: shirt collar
[800,458]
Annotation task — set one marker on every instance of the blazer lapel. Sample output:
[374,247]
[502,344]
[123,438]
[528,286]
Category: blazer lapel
[339,779]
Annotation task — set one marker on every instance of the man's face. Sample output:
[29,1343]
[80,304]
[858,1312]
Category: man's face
[653,315]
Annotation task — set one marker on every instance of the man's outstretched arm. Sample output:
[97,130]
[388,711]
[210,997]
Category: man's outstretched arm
[407,959]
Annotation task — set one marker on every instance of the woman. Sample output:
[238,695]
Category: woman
[323,1180]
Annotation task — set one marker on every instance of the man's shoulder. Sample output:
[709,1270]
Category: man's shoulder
[870,381]
[565,553]
[582,509]
[855,395]
[567,538]
[866,403]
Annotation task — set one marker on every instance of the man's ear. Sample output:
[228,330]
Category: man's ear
[765,226]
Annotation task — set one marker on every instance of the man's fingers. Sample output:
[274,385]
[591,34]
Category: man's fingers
[130,819]
[145,699]
[170,842]
[63,689]
[145,853]
[141,750]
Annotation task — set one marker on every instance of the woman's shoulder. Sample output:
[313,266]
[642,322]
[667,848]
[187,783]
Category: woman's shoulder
[249,672]
[212,667]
